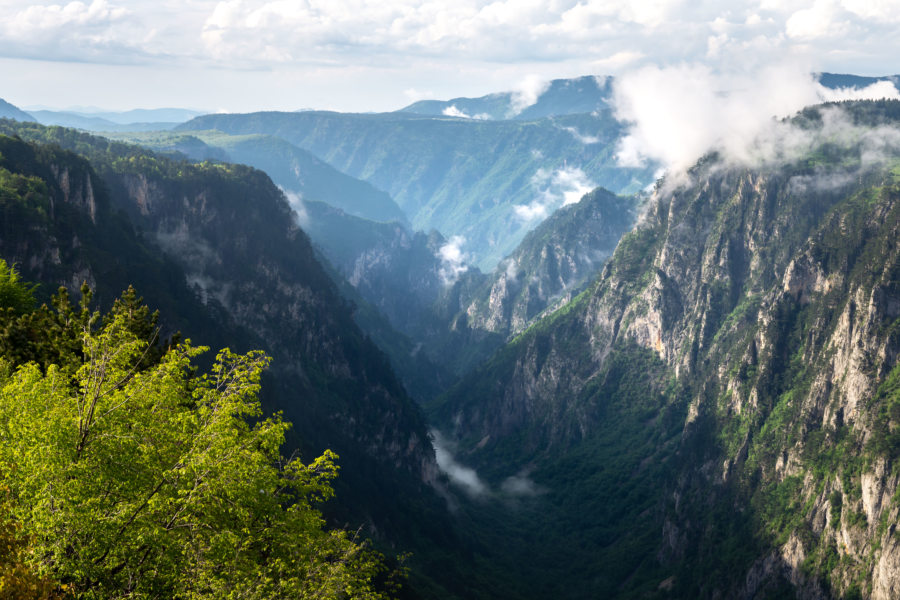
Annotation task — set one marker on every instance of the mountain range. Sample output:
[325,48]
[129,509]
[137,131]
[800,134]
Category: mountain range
[541,386]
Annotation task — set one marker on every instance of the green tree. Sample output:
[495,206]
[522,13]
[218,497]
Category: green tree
[137,480]
[15,295]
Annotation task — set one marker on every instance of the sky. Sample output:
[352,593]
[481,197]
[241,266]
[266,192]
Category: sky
[377,55]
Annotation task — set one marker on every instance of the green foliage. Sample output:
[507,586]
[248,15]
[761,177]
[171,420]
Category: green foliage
[15,296]
[136,478]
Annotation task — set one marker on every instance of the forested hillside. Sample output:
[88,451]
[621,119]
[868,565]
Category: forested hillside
[216,249]
[126,473]
[487,181]
[713,416]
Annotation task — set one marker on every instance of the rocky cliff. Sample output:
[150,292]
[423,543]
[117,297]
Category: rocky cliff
[217,249]
[736,361]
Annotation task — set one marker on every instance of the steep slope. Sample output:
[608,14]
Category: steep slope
[556,98]
[460,318]
[716,415]
[552,263]
[488,181]
[297,171]
[8,111]
[395,269]
[236,271]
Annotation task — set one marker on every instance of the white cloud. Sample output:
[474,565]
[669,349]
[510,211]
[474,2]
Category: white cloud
[554,189]
[533,211]
[741,119]
[453,259]
[677,114]
[617,61]
[876,91]
[73,31]
[468,480]
[321,53]
[452,111]
[295,199]
[818,21]
[527,93]
[875,10]
[463,477]
[584,139]
[520,485]
[415,95]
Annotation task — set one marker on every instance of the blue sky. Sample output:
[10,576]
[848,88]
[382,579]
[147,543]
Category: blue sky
[242,55]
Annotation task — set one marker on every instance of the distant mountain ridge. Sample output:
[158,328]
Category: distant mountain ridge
[837,80]
[8,111]
[302,175]
[488,181]
[217,248]
[556,98]
[140,119]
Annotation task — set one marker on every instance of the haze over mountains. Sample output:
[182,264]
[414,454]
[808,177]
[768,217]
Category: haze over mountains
[547,371]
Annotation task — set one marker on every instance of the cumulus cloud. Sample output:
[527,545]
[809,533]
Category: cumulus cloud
[453,259]
[310,50]
[677,114]
[452,111]
[554,189]
[72,32]
[818,21]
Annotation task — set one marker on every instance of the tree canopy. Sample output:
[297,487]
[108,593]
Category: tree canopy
[126,474]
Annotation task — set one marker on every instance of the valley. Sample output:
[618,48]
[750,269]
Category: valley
[545,374]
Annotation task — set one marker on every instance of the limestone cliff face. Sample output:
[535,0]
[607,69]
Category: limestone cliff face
[552,263]
[218,250]
[459,316]
[239,245]
[774,308]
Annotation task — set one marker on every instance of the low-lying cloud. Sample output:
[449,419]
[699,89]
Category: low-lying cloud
[554,189]
[467,479]
[584,139]
[453,260]
[678,114]
[520,485]
[295,200]
[463,477]
[452,111]
[527,93]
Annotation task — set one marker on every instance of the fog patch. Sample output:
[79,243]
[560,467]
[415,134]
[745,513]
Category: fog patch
[452,111]
[875,91]
[461,476]
[467,480]
[584,139]
[453,260]
[554,189]
[512,269]
[520,485]
[745,123]
[295,200]
[527,93]
[678,114]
